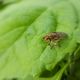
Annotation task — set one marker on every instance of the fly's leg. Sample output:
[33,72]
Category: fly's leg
[50,44]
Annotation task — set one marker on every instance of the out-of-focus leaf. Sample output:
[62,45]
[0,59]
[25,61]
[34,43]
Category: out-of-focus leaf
[76,4]
[77,35]
[23,25]
[11,1]
[58,75]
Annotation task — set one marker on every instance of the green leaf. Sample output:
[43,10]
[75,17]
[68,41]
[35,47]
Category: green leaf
[76,4]
[58,75]
[23,25]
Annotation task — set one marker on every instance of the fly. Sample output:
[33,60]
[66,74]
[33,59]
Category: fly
[54,37]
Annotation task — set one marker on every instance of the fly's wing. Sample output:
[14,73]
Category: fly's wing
[62,35]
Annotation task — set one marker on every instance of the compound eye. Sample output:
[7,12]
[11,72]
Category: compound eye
[46,38]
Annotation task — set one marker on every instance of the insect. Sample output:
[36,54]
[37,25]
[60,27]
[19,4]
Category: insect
[54,37]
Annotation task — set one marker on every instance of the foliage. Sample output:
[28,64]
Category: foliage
[23,52]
